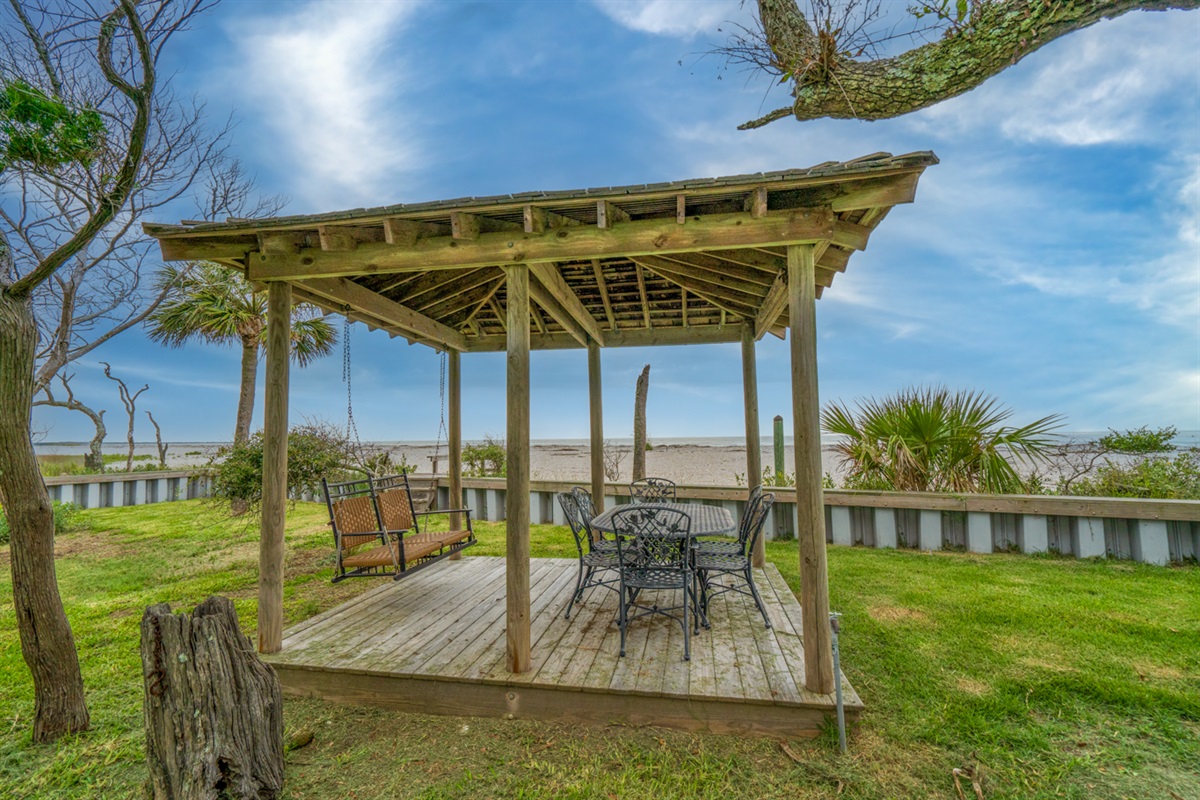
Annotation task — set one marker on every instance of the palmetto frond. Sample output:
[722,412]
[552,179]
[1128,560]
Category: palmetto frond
[932,439]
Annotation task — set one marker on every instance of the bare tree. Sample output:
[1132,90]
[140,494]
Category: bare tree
[71,258]
[129,400]
[614,457]
[94,460]
[162,448]
[832,52]
[639,424]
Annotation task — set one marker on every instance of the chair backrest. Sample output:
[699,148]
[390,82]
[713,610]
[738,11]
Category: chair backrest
[653,490]
[570,507]
[752,502]
[587,509]
[758,519]
[653,537]
[352,512]
[395,503]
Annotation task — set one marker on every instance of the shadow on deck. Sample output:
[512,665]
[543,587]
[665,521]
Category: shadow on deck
[434,643]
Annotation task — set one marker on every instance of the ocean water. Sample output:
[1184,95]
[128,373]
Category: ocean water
[1184,440]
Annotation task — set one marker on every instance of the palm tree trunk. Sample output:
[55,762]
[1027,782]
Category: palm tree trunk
[46,639]
[639,424]
[245,411]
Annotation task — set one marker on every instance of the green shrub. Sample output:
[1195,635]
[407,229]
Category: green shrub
[65,520]
[1150,478]
[315,451]
[486,460]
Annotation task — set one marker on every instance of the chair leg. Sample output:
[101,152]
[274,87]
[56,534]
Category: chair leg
[687,649]
[623,620]
[757,599]
[576,593]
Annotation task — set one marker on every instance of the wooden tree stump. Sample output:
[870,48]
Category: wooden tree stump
[214,709]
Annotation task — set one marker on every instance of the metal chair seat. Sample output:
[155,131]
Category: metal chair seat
[720,561]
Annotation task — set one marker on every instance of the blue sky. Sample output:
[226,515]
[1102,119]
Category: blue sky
[1052,259]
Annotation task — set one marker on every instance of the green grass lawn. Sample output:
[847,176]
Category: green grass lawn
[1050,677]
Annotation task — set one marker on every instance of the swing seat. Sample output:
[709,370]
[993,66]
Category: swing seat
[377,530]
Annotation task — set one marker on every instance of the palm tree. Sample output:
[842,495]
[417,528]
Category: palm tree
[934,440]
[215,304]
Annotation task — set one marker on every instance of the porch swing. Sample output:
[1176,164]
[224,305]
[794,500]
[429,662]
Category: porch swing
[377,530]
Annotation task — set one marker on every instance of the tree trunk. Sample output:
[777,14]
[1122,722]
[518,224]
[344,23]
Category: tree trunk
[46,640]
[94,459]
[213,708]
[129,440]
[639,424]
[245,412]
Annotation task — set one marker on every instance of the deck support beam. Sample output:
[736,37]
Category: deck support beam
[753,438]
[810,503]
[454,437]
[517,631]
[596,413]
[275,457]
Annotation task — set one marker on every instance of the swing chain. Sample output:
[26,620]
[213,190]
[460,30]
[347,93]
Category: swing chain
[351,427]
[437,448]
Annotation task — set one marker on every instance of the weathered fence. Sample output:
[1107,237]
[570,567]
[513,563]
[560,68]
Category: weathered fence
[113,489]
[1151,531]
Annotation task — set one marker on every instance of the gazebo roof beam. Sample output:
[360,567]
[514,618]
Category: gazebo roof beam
[756,281]
[628,337]
[602,287]
[548,276]
[469,226]
[542,295]
[344,238]
[348,293]
[608,214]
[539,220]
[643,297]
[406,232]
[634,238]
[717,296]
[717,281]
[848,234]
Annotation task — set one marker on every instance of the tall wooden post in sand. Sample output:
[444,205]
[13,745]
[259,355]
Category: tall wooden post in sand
[596,412]
[517,488]
[454,437]
[810,502]
[753,439]
[274,496]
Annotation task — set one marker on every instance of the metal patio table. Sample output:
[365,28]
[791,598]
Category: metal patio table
[706,520]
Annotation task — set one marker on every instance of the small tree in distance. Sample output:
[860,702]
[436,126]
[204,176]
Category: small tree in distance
[211,303]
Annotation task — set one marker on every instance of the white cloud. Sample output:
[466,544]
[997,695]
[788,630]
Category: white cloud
[1160,277]
[327,85]
[680,18]
[1106,84]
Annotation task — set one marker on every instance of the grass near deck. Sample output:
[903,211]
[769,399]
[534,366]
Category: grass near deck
[1053,677]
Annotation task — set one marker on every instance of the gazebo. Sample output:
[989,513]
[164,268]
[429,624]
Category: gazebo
[689,262]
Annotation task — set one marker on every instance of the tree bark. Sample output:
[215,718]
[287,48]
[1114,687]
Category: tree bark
[639,424]
[245,411]
[46,639]
[998,35]
[213,708]
[95,456]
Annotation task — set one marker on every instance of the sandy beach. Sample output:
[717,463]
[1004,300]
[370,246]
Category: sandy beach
[705,462]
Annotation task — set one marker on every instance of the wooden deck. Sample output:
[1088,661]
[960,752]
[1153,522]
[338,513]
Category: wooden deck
[434,643]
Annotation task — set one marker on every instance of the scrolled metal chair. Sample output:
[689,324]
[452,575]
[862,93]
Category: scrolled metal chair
[593,563]
[653,546]
[736,565]
[652,490]
[733,548]
[587,512]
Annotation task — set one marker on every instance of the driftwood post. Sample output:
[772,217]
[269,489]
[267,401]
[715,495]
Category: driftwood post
[213,709]
[639,424]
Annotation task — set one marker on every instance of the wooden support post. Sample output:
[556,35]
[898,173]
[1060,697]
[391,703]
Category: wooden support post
[810,502]
[517,494]
[779,449]
[596,411]
[275,456]
[753,439]
[454,436]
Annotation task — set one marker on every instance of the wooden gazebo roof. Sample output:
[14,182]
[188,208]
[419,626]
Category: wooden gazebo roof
[667,263]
